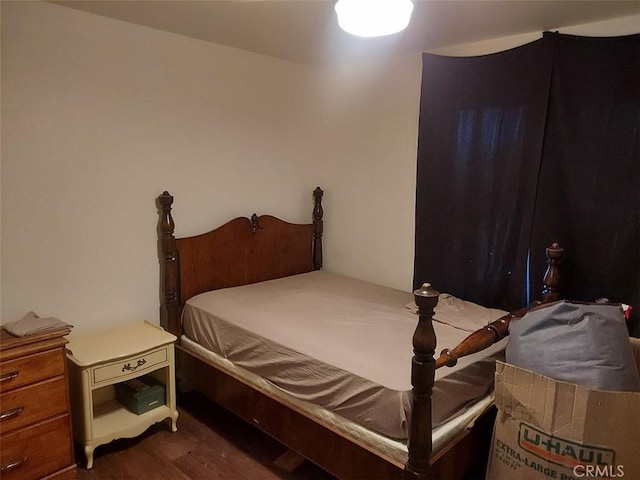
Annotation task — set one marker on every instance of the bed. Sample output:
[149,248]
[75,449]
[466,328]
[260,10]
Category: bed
[321,361]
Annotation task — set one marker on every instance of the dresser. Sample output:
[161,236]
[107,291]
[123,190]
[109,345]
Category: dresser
[35,419]
[98,362]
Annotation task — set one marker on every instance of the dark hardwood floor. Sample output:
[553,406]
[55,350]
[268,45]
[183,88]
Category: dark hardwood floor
[210,444]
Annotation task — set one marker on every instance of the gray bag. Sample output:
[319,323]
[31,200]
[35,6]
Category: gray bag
[582,343]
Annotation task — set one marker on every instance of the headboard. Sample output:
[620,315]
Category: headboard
[240,252]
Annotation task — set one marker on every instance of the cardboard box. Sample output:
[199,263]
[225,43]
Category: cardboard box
[546,429]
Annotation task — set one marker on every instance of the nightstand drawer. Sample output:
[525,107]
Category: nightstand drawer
[27,405]
[36,451]
[30,369]
[126,367]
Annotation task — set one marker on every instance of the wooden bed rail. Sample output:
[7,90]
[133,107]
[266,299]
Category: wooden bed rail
[498,329]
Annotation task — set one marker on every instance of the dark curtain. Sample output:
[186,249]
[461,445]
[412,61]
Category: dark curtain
[589,187]
[526,147]
[480,139]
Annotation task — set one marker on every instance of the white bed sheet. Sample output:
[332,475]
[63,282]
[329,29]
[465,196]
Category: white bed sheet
[339,343]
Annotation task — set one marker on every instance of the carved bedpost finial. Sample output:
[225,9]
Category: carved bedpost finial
[426,298]
[551,281]
[166,220]
[422,380]
[317,228]
[169,301]
[255,224]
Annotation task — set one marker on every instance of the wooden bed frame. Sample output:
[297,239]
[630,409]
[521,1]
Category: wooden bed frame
[245,251]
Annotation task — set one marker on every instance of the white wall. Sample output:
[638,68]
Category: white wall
[100,116]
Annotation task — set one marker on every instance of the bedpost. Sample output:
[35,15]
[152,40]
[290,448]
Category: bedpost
[551,281]
[317,228]
[422,380]
[169,275]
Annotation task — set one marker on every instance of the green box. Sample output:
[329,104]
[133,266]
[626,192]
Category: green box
[141,394]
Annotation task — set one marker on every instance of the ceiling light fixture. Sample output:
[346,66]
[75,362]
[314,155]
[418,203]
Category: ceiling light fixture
[373,18]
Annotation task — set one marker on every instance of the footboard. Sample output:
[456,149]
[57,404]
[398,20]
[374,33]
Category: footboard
[499,329]
[424,365]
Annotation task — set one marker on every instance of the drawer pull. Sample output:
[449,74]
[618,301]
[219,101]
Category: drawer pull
[11,465]
[127,366]
[11,413]
[9,376]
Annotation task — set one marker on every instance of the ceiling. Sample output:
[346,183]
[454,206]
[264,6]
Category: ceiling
[306,31]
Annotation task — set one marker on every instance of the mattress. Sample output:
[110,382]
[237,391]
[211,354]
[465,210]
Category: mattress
[342,344]
[393,450]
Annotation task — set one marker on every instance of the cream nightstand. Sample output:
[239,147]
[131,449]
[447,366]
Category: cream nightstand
[99,361]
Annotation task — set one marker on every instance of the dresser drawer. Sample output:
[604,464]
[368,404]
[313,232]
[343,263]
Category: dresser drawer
[26,405]
[124,368]
[36,451]
[31,368]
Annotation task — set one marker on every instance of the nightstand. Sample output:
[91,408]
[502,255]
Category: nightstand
[35,424]
[98,362]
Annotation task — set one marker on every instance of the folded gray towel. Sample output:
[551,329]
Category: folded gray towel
[31,323]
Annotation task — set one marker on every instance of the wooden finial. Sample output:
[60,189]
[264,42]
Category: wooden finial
[551,281]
